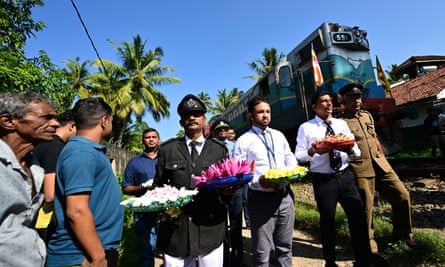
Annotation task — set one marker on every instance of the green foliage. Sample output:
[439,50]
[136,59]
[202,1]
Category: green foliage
[130,244]
[18,73]
[16,23]
[133,137]
[265,64]
[424,153]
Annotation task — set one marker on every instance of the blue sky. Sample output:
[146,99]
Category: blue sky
[209,42]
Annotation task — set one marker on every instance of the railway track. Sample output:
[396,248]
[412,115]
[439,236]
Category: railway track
[419,167]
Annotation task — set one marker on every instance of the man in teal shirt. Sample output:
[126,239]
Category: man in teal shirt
[87,199]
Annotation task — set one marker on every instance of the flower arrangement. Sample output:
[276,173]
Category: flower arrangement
[160,198]
[287,174]
[228,168]
[337,141]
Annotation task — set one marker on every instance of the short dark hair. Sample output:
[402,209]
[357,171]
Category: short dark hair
[87,112]
[317,95]
[149,130]
[65,117]
[255,101]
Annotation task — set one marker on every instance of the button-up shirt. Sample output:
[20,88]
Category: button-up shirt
[311,131]
[250,146]
[20,245]
[199,143]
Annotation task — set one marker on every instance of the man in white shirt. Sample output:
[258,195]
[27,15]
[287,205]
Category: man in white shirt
[271,206]
[333,183]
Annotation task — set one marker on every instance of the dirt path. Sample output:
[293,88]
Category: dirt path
[306,252]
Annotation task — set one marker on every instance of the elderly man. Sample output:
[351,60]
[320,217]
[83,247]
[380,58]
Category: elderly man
[26,119]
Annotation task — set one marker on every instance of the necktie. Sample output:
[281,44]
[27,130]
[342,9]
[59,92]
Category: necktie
[194,153]
[334,155]
[269,148]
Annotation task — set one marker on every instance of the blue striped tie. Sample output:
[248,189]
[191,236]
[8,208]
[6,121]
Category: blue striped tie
[334,155]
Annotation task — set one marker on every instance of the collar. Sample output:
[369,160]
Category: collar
[319,121]
[199,141]
[81,139]
[258,130]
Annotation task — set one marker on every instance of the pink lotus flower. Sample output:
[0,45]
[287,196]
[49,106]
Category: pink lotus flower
[224,168]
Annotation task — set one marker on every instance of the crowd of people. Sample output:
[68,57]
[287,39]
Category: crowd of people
[60,200]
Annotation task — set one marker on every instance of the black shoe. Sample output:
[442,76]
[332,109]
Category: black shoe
[412,243]
[378,260]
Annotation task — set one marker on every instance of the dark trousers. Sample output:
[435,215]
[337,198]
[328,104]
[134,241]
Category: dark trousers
[147,229]
[233,244]
[329,189]
[245,210]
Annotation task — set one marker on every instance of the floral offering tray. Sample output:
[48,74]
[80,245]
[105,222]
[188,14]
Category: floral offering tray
[225,173]
[160,199]
[158,207]
[228,181]
[285,175]
[336,145]
[338,141]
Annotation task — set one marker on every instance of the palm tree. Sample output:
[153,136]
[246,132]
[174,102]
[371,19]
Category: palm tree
[264,65]
[134,132]
[224,99]
[206,99]
[138,76]
[77,75]
[392,77]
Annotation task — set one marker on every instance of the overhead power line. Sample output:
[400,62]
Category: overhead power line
[89,36]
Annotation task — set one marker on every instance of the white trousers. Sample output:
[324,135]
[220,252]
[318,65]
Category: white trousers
[213,259]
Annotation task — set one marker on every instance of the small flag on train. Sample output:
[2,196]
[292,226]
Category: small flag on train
[318,76]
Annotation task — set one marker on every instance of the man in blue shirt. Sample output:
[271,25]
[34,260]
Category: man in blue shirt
[87,197]
[138,176]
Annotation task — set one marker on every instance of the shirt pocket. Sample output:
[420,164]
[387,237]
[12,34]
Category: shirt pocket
[370,129]
[177,172]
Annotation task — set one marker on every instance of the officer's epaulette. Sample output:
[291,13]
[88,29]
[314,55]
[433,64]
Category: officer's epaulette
[364,111]
[219,142]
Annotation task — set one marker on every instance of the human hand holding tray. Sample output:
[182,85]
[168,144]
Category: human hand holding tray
[338,141]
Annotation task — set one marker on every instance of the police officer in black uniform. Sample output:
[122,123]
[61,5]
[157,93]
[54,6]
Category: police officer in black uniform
[197,234]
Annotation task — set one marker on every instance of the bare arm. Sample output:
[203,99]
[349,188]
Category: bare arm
[81,221]
[48,186]
[134,190]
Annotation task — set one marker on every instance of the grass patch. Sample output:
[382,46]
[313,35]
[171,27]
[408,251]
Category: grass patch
[429,252]
[407,153]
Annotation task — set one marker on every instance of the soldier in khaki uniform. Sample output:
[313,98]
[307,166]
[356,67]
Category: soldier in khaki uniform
[373,171]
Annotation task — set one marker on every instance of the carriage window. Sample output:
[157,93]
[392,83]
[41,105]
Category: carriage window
[284,76]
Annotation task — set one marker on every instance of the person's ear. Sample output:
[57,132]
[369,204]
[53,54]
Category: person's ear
[105,121]
[7,122]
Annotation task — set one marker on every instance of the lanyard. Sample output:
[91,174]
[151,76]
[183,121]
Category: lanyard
[268,148]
